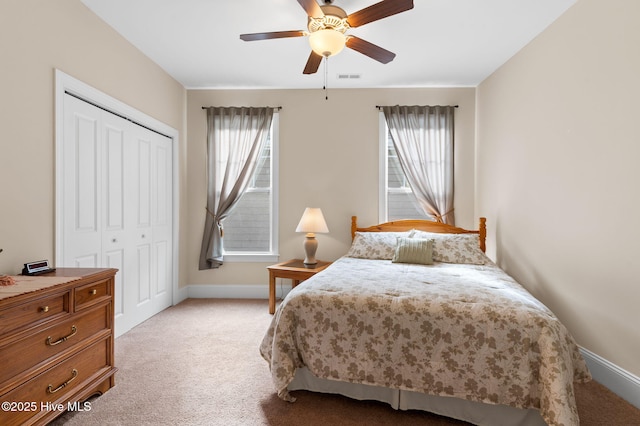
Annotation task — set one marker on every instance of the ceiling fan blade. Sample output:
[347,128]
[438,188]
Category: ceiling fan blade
[312,8]
[268,36]
[370,49]
[313,63]
[378,11]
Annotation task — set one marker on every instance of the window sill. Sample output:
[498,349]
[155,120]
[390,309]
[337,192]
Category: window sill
[251,257]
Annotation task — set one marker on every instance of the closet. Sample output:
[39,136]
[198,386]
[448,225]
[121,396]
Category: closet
[117,207]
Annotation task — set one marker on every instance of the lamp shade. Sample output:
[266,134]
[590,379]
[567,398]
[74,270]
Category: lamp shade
[312,221]
[327,42]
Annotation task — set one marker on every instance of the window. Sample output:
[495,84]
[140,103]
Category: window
[250,230]
[396,197]
[401,203]
[397,200]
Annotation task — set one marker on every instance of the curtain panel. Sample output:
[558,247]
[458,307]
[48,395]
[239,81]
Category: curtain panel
[423,139]
[235,139]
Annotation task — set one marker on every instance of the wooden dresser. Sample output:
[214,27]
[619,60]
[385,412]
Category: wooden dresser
[56,343]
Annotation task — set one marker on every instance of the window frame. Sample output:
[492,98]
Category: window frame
[383,169]
[272,255]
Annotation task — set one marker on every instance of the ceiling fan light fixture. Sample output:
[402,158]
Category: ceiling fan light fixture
[327,42]
[327,27]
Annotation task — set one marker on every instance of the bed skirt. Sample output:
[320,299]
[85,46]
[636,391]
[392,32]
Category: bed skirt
[461,409]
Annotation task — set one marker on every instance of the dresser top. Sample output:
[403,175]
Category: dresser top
[30,283]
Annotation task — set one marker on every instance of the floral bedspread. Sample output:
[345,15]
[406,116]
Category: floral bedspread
[468,331]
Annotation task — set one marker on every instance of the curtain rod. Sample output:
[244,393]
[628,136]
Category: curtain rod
[380,106]
[278,107]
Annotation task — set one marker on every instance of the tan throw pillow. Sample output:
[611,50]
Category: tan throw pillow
[414,250]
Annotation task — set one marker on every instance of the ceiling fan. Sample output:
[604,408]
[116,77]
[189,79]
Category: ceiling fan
[327,25]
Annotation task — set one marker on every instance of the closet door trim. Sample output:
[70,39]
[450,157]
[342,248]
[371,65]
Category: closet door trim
[68,84]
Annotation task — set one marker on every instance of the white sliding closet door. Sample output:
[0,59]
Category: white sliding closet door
[118,207]
[148,218]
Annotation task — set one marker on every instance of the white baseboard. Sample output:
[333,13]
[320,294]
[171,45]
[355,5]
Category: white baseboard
[234,291]
[180,295]
[620,381]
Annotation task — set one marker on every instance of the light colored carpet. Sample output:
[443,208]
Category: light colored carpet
[198,363]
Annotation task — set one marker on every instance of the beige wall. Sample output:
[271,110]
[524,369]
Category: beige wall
[37,37]
[556,155]
[558,173]
[328,159]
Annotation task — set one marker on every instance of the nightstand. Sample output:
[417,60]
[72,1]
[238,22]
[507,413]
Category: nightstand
[293,269]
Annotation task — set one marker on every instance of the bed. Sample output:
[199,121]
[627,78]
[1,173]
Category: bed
[417,316]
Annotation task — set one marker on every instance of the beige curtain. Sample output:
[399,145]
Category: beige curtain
[235,139]
[423,139]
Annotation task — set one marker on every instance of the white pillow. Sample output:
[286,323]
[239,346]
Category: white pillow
[455,248]
[375,245]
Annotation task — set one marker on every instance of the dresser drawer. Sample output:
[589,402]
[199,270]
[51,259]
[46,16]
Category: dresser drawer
[90,294]
[33,312]
[54,386]
[31,353]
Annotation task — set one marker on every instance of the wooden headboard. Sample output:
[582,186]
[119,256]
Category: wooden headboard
[423,225]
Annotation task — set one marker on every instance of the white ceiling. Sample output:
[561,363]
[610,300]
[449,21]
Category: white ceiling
[437,43]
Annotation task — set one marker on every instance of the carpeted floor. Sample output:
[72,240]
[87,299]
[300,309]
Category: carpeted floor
[198,363]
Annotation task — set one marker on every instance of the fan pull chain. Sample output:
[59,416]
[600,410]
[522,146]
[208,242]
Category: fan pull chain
[326,78]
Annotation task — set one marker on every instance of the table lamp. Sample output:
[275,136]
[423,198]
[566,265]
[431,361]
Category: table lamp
[312,222]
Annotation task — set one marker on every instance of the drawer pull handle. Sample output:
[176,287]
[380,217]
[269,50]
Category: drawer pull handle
[93,292]
[74,330]
[44,309]
[50,388]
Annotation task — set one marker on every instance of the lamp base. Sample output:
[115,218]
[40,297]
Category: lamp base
[310,247]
